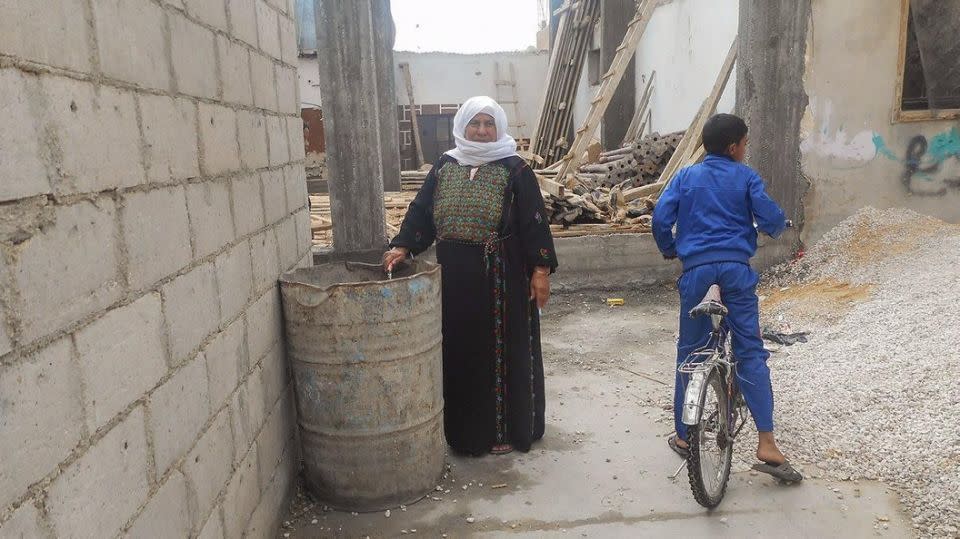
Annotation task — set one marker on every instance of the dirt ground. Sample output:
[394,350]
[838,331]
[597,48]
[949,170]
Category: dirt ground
[603,468]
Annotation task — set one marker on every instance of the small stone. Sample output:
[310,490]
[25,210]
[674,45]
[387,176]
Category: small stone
[723,520]
[471,520]
[404,532]
[386,513]
[314,521]
[439,488]
[403,507]
[354,513]
[464,487]
[286,535]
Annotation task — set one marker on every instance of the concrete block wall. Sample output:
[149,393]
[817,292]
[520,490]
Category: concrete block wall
[151,192]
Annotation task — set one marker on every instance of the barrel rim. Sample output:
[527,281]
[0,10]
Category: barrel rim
[287,278]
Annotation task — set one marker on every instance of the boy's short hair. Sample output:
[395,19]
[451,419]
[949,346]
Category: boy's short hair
[722,130]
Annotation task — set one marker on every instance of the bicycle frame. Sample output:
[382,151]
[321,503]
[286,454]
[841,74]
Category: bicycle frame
[698,365]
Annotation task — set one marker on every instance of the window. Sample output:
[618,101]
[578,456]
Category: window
[929,61]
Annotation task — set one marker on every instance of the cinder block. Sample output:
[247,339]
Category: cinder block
[24,524]
[247,204]
[234,280]
[170,138]
[277,140]
[243,492]
[226,357]
[218,139]
[235,71]
[106,348]
[210,218]
[243,20]
[287,89]
[266,262]
[273,502]
[191,307]
[48,33]
[264,325]
[296,181]
[281,6]
[264,82]
[41,420]
[97,133]
[194,57]
[289,50]
[247,413]
[156,233]
[274,438]
[268,29]
[167,514]
[212,12]
[213,529]
[287,239]
[275,377]
[306,261]
[295,135]
[178,410]
[77,251]
[274,195]
[304,234]
[96,495]
[21,166]
[131,42]
[209,465]
[252,128]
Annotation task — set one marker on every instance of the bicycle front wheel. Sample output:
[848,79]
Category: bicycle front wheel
[711,447]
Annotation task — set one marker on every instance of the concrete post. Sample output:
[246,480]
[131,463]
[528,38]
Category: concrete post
[355,52]
[771,98]
[770,92]
[614,16]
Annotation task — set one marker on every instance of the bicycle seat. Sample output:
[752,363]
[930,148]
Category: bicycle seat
[710,304]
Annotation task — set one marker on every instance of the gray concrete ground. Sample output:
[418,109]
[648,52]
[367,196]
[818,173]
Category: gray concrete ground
[603,467]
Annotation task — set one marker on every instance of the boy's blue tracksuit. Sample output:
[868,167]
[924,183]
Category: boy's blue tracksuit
[714,205]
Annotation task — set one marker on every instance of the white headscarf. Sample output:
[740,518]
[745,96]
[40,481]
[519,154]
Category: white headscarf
[479,153]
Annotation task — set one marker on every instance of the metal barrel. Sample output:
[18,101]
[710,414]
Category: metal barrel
[366,359]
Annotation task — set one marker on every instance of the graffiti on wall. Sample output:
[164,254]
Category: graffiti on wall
[931,167]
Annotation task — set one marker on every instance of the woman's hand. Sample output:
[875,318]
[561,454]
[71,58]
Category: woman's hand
[391,257]
[540,285]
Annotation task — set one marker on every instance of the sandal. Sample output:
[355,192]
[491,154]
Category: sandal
[501,449]
[784,471]
[682,451]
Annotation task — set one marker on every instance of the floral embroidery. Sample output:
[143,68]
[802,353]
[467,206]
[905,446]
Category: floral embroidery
[469,209]
[545,253]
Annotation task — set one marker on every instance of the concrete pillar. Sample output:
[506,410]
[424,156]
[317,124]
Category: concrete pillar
[771,98]
[355,52]
[614,16]
[771,95]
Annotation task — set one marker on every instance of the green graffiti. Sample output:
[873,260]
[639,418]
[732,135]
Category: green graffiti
[882,147]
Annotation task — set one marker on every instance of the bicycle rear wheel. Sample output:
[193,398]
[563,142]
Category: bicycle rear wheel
[711,447]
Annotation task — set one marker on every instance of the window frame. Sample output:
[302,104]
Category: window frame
[900,115]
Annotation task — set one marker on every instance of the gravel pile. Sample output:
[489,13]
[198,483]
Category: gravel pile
[876,395]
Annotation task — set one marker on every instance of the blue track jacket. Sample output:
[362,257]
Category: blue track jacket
[714,205]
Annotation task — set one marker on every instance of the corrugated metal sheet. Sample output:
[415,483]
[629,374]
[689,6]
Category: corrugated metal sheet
[307,26]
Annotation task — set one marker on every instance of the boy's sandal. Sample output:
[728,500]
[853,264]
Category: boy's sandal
[501,449]
[682,451]
[783,472]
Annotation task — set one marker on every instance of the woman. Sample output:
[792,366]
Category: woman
[482,205]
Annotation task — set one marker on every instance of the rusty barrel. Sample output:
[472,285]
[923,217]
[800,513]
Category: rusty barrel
[366,359]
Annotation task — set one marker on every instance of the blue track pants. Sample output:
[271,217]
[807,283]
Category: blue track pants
[738,286]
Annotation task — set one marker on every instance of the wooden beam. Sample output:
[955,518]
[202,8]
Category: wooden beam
[550,186]
[638,122]
[608,84]
[405,69]
[693,137]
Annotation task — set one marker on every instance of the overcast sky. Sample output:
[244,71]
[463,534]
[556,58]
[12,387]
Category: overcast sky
[465,26]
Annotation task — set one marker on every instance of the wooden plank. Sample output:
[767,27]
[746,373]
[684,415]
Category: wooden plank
[550,186]
[636,124]
[405,69]
[693,137]
[608,85]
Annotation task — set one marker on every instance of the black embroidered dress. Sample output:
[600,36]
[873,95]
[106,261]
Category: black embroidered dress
[491,231]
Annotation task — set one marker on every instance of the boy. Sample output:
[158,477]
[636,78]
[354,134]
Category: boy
[714,205]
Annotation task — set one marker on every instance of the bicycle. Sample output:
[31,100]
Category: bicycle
[713,407]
